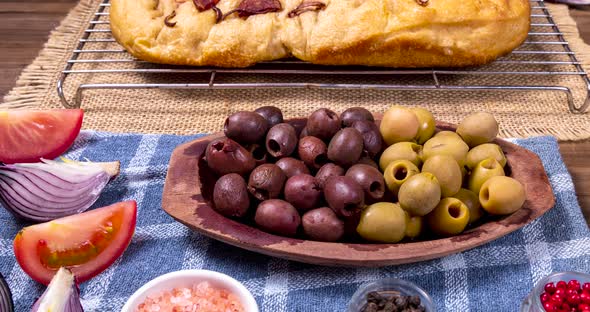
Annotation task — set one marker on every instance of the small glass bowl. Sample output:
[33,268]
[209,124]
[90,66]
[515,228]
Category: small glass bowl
[532,303]
[359,299]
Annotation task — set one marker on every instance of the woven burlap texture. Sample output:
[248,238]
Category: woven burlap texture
[520,114]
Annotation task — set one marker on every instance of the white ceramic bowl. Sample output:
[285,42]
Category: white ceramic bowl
[188,278]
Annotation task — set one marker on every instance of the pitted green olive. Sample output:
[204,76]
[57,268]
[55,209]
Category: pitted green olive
[478,128]
[399,124]
[402,150]
[502,195]
[450,217]
[383,222]
[483,151]
[447,172]
[397,173]
[486,169]
[419,194]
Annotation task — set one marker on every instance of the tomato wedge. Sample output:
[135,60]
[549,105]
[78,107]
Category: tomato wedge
[86,243]
[29,135]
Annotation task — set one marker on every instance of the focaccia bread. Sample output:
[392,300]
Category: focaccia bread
[393,33]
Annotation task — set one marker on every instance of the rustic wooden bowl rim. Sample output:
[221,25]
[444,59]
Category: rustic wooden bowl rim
[182,199]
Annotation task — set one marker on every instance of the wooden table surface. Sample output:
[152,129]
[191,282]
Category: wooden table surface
[25,25]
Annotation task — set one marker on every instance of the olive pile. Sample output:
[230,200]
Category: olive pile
[321,177]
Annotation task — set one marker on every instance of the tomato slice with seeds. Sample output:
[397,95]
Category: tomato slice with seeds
[86,243]
[29,135]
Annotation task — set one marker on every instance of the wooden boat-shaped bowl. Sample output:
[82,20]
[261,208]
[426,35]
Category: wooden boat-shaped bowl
[187,198]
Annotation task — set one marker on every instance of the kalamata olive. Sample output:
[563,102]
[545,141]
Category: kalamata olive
[372,140]
[245,127]
[298,124]
[259,153]
[303,133]
[303,192]
[346,147]
[225,156]
[281,140]
[326,171]
[266,181]
[313,152]
[272,114]
[322,224]
[292,166]
[277,216]
[368,161]
[353,114]
[344,196]
[230,195]
[323,124]
[370,179]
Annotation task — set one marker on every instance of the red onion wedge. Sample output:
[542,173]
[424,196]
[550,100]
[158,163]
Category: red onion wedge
[6,304]
[48,190]
[62,294]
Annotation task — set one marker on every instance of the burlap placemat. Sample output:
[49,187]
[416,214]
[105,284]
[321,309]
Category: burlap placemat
[521,114]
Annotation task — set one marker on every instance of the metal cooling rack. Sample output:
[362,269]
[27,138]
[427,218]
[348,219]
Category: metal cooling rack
[544,53]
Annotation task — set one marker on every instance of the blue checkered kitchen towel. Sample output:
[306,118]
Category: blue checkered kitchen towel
[493,277]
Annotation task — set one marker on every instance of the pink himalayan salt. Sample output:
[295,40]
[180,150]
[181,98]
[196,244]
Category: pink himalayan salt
[200,298]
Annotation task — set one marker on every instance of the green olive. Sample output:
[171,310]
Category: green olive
[397,173]
[447,171]
[427,124]
[448,134]
[399,124]
[450,217]
[471,200]
[419,194]
[486,169]
[402,150]
[382,222]
[478,128]
[483,151]
[414,225]
[502,195]
[446,145]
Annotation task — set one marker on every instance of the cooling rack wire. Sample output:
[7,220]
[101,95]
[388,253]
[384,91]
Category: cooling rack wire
[544,53]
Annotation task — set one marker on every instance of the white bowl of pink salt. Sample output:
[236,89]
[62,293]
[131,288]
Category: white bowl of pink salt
[192,290]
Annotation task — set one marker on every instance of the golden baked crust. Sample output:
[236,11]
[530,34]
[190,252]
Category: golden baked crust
[393,33]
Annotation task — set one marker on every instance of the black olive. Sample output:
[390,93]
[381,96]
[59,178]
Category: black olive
[323,124]
[346,147]
[368,161]
[303,133]
[225,156]
[344,196]
[277,216]
[230,195]
[303,192]
[326,171]
[372,139]
[272,114]
[292,166]
[281,140]
[370,179]
[245,127]
[266,181]
[259,153]
[322,224]
[313,152]
[298,124]
[353,114]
